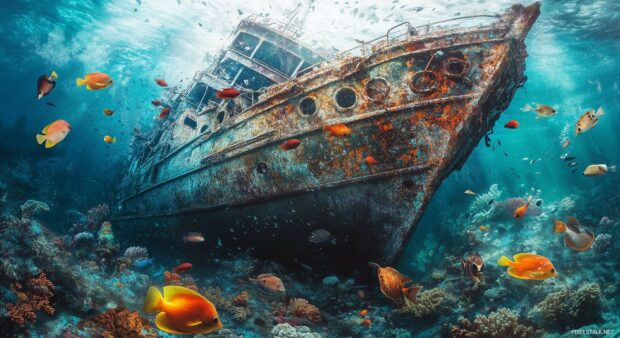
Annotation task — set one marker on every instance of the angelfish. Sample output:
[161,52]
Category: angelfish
[54,133]
[575,238]
[472,267]
[45,84]
[396,286]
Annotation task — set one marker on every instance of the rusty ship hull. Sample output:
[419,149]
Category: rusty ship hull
[418,106]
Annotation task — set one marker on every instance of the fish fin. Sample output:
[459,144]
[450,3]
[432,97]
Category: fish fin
[521,256]
[41,138]
[88,87]
[504,261]
[518,274]
[162,323]
[153,300]
[412,292]
[54,75]
[80,82]
[49,144]
[172,291]
[559,226]
[529,200]
[600,111]
[573,221]
[527,107]
[44,131]
[612,169]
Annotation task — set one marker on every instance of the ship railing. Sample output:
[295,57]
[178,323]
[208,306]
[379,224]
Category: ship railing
[276,25]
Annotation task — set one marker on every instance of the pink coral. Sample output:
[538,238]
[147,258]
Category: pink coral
[34,298]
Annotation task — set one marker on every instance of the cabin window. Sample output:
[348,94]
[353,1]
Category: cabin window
[197,94]
[220,116]
[345,97]
[307,106]
[248,78]
[377,89]
[204,128]
[277,58]
[245,43]
[190,122]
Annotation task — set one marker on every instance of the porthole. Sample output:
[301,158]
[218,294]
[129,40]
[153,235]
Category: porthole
[456,68]
[307,106]
[423,82]
[345,98]
[204,128]
[377,89]
[221,116]
[262,168]
[190,122]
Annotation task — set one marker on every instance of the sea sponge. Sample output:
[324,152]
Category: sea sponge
[430,303]
[35,297]
[287,331]
[502,323]
[566,309]
[118,323]
[301,308]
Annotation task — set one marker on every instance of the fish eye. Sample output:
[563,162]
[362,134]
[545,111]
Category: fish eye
[264,281]
[215,319]
[552,270]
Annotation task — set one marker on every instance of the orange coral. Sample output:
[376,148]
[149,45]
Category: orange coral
[301,308]
[118,323]
[241,299]
[171,278]
[34,298]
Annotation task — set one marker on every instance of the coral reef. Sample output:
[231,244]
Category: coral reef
[430,303]
[96,215]
[481,208]
[241,299]
[136,252]
[301,308]
[83,236]
[566,309]
[214,294]
[500,324]
[287,331]
[32,208]
[34,297]
[602,242]
[118,323]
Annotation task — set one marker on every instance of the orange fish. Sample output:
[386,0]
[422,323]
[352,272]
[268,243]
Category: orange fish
[227,93]
[520,212]
[393,284]
[164,112]
[338,130]
[161,82]
[95,81]
[109,139]
[182,267]
[194,237]
[483,228]
[512,124]
[575,238]
[108,112]
[363,312]
[366,322]
[181,311]
[45,84]
[269,282]
[156,103]
[529,266]
[54,133]
[370,160]
[290,144]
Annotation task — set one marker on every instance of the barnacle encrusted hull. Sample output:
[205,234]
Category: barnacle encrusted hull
[419,106]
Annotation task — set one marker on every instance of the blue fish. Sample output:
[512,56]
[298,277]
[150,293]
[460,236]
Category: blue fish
[140,263]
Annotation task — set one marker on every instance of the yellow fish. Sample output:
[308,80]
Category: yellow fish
[598,169]
[53,133]
[541,110]
[181,311]
[95,81]
[588,120]
[484,228]
[109,139]
[529,266]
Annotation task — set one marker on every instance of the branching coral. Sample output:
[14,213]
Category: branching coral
[83,236]
[430,303]
[301,308]
[214,294]
[32,208]
[35,297]
[500,324]
[571,309]
[118,323]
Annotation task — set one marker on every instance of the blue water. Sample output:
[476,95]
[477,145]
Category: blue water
[572,65]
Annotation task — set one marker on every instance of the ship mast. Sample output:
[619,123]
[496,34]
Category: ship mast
[298,16]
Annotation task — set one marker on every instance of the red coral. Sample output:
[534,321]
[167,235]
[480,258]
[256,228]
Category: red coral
[171,278]
[34,298]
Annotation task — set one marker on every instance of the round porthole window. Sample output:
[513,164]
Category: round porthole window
[345,98]
[377,89]
[262,168]
[423,82]
[221,116]
[307,106]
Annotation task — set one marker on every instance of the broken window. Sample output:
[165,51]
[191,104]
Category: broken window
[204,128]
[245,43]
[190,122]
[277,58]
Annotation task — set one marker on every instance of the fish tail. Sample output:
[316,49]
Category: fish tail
[114,139]
[600,111]
[612,168]
[412,292]
[153,300]
[527,107]
[374,265]
[54,75]
[41,138]
[504,261]
[80,82]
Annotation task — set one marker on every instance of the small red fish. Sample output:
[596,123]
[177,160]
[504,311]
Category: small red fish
[512,124]
[338,130]
[366,322]
[164,113]
[228,93]
[161,82]
[363,312]
[156,103]
[194,237]
[290,144]
[370,160]
[520,212]
[182,267]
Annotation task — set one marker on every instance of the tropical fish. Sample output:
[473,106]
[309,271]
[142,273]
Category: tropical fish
[512,124]
[156,103]
[366,322]
[45,84]
[109,139]
[569,158]
[164,112]
[322,237]
[575,238]
[363,312]
[161,82]
[228,93]
[472,267]
[483,228]
[338,130]
[54,133]
[269,282]
[541,110]
[51,104]
[470,193]
[108,112]
[396,286]
[182,267]
[529,266]
[195,237]
[290,144]
[598,170]
[520,212]
[572,164]
[370,160]
[588,120]
[94,81]
[181,311]
[566,143]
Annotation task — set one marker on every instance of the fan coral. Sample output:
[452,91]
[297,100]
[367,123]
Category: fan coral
[601,242]
[97,214]
[301,308]
[571,309]
[84,235]
[214,294]
[430,303]
[32,208]
[34,298]
[136,252]
[118,323]
[502,323]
